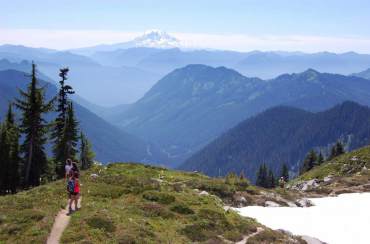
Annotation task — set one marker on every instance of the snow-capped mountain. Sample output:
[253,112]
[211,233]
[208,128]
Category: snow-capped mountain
[157,39]
[151,38]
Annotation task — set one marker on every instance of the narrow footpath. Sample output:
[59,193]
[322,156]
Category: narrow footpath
[60,224]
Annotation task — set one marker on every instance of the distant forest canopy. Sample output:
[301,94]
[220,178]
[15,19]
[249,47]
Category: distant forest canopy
[193,105]
[282,135]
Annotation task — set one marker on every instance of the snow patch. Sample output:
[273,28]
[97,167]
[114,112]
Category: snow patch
[339,220]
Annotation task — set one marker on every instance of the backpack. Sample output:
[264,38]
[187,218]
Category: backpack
[71,186]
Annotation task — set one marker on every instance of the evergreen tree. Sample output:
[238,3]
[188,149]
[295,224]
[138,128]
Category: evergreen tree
[68,143]
[339,148]
[336,150]
[14,159]
[9,154]
[33,106]
[4,153]
[270,180]
[59,123]
[320,158]
[284,172]
[262,176]
[309,162]
[86,153]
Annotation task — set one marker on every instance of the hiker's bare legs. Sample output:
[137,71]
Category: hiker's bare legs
[70,200]
[76,197]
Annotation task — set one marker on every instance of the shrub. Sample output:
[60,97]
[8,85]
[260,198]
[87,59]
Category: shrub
[217,219]
[233,235]
[267,236]
[100,222]
[108,191]
[160,197]
[127,239]
[181,209]
[156,210]
[29,215]
[212,215]
[200,231]
[218,188]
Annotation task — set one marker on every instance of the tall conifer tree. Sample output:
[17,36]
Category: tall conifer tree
[284,172]
[4,158]
[68,143]
[262,176]
[309,161]
[33,106]
[270,180]
[336,150]
[14,159]
[86,154]
[320,158]
[59,146]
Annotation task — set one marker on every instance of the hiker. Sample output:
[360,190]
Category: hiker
[75,167]
[77,189]
[68,168]
[73,188]
[282,182]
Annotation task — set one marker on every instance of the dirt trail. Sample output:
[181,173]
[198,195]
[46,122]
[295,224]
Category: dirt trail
[245,239]
[60,224]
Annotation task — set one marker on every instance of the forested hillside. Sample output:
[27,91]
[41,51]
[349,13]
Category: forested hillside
[193,105]
[282,135]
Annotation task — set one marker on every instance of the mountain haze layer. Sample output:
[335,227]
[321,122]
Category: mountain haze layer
[109,142]
[193,105]
[100,84]
[109,75]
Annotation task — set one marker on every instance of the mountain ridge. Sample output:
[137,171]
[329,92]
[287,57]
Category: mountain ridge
[192,105]
[282,135]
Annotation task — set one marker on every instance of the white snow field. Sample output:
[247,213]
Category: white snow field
[336,220]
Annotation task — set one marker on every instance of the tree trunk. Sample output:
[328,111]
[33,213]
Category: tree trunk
[29,162]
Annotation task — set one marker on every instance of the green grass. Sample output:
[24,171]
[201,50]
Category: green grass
[342,165]
[153,205]
[269,236]
[131,203]
[28,216]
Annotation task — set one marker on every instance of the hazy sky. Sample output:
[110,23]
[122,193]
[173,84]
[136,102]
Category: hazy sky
[306,25]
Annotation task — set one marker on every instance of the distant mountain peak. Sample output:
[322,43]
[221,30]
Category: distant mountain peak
[311,71]
[156,38]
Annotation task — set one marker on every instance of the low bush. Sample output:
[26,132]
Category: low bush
[181,209]
[213,216]
[156,210]
[267,236]
[28,215]
[108,191]
[160,197]
[200,231]
[233,235]
[100,222]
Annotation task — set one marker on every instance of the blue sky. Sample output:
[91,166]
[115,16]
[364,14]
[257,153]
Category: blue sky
[345,21]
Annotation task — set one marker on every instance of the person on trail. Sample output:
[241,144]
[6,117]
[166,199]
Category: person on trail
[75,167]
[68,168]
[71,190]
[282,182]
[76,189]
